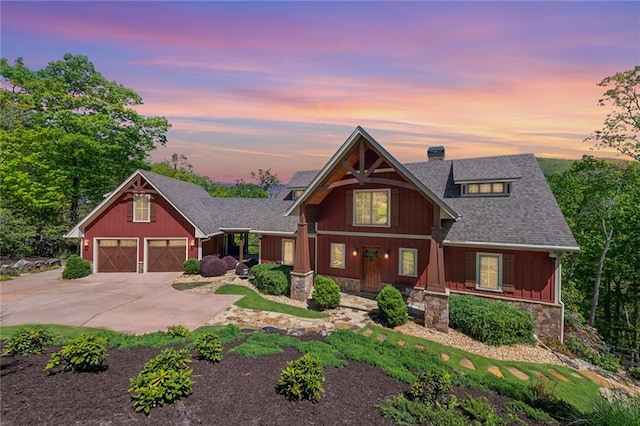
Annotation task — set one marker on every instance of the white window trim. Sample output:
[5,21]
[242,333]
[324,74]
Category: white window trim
[415,257]
[284,262]
[357,191]
[148,197]
[500,268]
[344,248]
[506,189]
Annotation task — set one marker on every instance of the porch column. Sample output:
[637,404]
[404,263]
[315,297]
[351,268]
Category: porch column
[435,272]
[302,275]
[241,249]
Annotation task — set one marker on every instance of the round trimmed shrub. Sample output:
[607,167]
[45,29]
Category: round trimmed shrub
[213,267]
[272,282]
[302,379]
[393,310]
[230,261]
[242,268]
[206,259]
[191,267]
[326,293]
[493,322]
[75,267]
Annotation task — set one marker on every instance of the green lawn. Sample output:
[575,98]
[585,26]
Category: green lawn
[253,300]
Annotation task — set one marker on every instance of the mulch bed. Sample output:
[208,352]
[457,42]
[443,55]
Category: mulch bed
[236,391]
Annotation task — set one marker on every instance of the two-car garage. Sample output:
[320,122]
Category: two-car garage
[159,255]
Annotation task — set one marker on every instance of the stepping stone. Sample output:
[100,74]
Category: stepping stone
[382,337]
[466,363]
[401,343]
[420,347]
[495,371]
[577,376]
[519,374]
[444,356]
[368,332]
[558,376]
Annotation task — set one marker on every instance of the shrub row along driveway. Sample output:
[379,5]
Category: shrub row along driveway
[125,302]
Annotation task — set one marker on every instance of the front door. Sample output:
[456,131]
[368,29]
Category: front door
[371,273]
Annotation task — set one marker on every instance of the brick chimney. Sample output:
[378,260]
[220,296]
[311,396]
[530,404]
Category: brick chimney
[435,153]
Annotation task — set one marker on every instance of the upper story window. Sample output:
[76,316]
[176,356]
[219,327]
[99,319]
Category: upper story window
[141,208]
[371,207]
[486,188]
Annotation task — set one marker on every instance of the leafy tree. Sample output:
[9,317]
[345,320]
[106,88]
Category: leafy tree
[71,135]
[621,129]
[266,179]
[600,200]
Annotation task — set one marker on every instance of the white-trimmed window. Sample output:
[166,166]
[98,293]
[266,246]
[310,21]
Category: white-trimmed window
[489,271]
[371,207]
[141,208]
[408,262]
[288,251]
[486,188]
[337,255]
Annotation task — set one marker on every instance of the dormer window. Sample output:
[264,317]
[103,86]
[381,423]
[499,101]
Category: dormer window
[486,188]
[294,194]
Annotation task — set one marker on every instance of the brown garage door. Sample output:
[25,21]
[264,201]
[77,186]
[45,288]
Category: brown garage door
[166,255]
[117,255]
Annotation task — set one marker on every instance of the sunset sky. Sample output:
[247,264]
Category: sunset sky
[281,85]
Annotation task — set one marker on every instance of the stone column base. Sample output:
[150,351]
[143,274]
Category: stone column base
[436,310]
[301,286]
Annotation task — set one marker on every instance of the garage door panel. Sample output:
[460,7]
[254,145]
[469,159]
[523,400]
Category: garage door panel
[166,255]
[117,255]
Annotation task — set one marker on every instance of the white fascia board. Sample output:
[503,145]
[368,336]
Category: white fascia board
[509,246]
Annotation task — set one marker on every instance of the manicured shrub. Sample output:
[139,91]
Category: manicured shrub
[492,322]
[272,281]
[75,267]
[191,267]
[393,310]
[164,379]
[85,353]
[432,386]
[213,267]
[326,293]
[242,269]
[302,379]
[178,331]
[27,341]
[208,346]
[230,261]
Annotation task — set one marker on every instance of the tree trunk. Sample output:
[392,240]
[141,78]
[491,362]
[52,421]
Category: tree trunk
[75,199]
[596,285]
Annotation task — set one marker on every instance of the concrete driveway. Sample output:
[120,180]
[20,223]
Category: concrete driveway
[126,302]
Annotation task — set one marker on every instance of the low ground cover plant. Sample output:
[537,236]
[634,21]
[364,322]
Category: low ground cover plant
[164,379]
[492,322]
[302,379]
[75,267]
[27,341]
[178,331]
[326,294]
[272,279]
[392,308]
[209,346]
[191,267]
[85,353]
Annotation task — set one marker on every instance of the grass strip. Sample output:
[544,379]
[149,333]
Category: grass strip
[253,300]
[189,286]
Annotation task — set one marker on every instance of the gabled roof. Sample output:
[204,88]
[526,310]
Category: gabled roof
[341,154]
[187,198]
[258,215]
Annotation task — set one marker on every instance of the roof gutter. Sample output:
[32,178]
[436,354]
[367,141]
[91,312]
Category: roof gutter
[567,249]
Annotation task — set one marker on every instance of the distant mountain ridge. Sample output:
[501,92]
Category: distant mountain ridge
[550,166]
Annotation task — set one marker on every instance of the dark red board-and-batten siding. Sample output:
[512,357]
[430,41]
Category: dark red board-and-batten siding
[113,223]
[411,213]
[271,249]
[390,266]
[533,273]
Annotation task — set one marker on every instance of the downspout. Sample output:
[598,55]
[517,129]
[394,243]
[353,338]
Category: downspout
[558,296]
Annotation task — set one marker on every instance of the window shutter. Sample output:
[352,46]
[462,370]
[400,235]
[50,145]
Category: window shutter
[509,270]
[129,208]
[152,208]
[395,207]
[470,267]
[349,208]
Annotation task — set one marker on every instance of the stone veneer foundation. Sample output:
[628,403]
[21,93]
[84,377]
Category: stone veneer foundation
[301,286]
[347,285]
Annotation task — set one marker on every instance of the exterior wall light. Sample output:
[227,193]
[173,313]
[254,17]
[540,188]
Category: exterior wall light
[193,243]
[386,254]
[86,243]
[355,252]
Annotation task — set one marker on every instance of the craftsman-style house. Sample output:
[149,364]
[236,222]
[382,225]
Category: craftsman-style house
[484,226]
